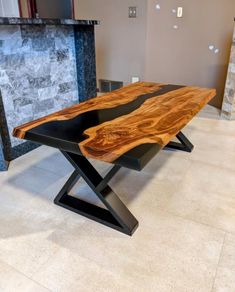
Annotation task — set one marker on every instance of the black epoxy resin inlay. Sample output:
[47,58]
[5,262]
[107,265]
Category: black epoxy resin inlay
[72,130]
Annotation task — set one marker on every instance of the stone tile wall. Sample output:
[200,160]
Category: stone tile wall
[228,108]
[3,164]
[38,73]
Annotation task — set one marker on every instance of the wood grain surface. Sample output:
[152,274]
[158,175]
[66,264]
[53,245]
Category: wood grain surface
[157,119]
[109,100]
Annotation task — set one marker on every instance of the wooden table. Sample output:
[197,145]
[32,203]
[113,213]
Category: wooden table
[126,128]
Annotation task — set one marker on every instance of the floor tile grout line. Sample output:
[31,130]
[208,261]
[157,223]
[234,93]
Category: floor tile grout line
[180,181]
[213,133]
[189,220]
[18,171]
[211,164]
[214,165]
[41,266]
[164,208]
[51,171]
[20,272]
[201,161]
[151,175]
[217,267]
[197,222]
[184,217]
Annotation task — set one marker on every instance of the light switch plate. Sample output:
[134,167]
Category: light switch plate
[180,12]
[132,12]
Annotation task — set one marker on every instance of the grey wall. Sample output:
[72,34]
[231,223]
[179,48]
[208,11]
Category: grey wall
[182,56]
[126,46]
[120,41]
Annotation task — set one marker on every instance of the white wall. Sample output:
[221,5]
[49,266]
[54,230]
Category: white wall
[9,8]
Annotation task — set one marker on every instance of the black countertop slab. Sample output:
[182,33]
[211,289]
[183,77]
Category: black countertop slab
[45,21]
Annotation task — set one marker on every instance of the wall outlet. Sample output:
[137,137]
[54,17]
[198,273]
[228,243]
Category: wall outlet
[135,79]
[132,12]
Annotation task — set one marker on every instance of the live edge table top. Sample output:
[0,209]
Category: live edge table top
[127,126]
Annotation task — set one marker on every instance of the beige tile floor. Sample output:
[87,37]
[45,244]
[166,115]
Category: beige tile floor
[185,204]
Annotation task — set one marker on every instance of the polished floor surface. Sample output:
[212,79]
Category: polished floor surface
[185,204]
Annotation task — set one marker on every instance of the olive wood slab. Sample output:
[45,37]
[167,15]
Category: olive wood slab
[158,120]
[107,127]
[110,100]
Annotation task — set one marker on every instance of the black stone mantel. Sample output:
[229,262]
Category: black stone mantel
[45,65]
[45,21]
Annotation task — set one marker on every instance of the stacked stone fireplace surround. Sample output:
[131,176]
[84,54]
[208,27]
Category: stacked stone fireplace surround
[45,65]
[228,108]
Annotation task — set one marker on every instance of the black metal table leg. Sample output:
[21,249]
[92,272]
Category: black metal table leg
[68,186]
[184,145]
[116,215]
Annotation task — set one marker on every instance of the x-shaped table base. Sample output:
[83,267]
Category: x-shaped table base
[116,215]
